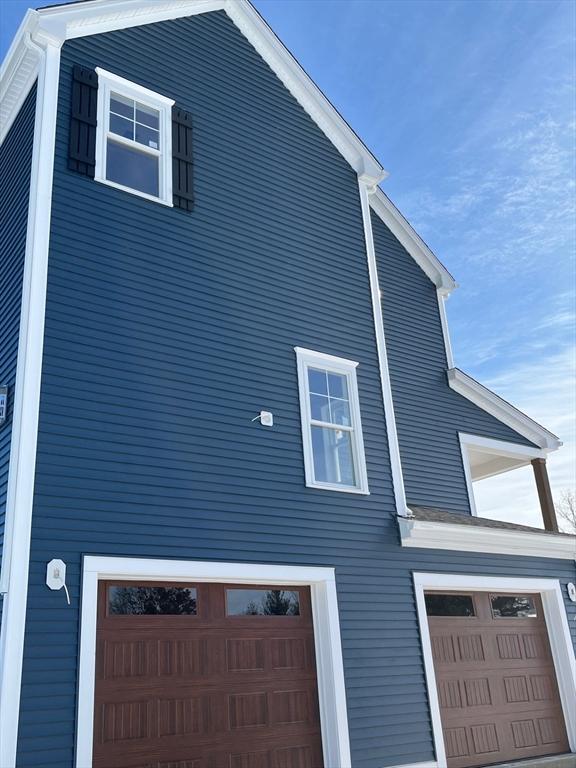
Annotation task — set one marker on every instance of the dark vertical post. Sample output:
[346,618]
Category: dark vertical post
[545,494]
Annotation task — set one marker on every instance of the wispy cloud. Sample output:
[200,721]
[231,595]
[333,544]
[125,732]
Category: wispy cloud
[511,201]
[546,390]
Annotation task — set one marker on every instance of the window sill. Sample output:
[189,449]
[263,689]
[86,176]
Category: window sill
[338,488]
[135,192]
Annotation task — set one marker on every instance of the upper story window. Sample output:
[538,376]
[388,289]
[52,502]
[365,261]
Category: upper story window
[134,138]
[331,428]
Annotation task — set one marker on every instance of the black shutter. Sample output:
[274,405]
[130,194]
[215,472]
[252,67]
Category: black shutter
[82,151]
[182,159]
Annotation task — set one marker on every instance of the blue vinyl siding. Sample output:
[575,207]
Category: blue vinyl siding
[429,414]
[15,163]
[166,333]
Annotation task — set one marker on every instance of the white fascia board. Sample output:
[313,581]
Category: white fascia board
[496,406]
[90,18]
[304,90]
[411,240]
[425,534]
[18,72]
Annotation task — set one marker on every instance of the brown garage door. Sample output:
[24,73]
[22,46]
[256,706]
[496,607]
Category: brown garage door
[205,676]
[496,683]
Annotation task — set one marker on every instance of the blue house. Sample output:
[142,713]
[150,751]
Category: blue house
[236,459]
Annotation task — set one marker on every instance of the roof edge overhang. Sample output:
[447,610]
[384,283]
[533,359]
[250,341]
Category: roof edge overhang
[502,410]
[60,23]
[454,536]
[405,233]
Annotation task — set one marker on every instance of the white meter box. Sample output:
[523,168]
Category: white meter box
[3,404]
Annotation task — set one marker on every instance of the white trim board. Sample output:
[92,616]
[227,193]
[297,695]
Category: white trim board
[97,16]
[442,297]
[330,671]
[558,633]
[375,293]
[502,410]
[425,534]
[15,564]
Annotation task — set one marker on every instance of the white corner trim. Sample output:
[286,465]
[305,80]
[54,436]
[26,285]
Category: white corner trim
[411,240]
[108,82]
[391,431]
[308,358]
[425,534]
[14,579]
[442,298]
[99,16]
[558,632]
[330,672]
[502,410]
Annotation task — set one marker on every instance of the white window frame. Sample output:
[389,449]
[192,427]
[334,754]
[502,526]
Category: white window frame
[550,591]
[326,624]
[108,83]
[307,358]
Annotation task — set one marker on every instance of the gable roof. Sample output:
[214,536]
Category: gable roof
[58,23]
[502,410]
[403,231]
[64,22]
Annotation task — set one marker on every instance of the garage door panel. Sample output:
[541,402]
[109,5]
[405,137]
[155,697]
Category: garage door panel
[210,687]
[496,682]
[247,748]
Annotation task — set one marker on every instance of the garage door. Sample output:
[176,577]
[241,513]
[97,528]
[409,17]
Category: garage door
[205,676]
[496,683]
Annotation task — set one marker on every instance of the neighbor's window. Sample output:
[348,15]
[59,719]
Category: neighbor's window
[331,428]
[134,138]
[449,605]
[513,607]
[262,602]
[126,600]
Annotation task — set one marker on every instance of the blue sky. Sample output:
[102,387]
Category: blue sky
[469,104]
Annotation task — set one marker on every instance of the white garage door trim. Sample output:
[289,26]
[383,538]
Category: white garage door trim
[330,671]
[556,623]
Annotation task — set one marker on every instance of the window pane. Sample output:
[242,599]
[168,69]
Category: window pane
[132,168]
[147,116]
[122,105]
[150,601]
[340,412]
[337,385]
[317,382]
[332,453]
[147,136]
[262,602]
[320,407]
[449,605]
[121,126]
[513,606]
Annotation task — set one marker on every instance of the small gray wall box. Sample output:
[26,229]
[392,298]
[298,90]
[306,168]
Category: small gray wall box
[3,404]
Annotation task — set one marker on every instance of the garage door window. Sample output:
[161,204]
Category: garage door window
[450,605]
[513,607]
[151,601]
[262,602]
